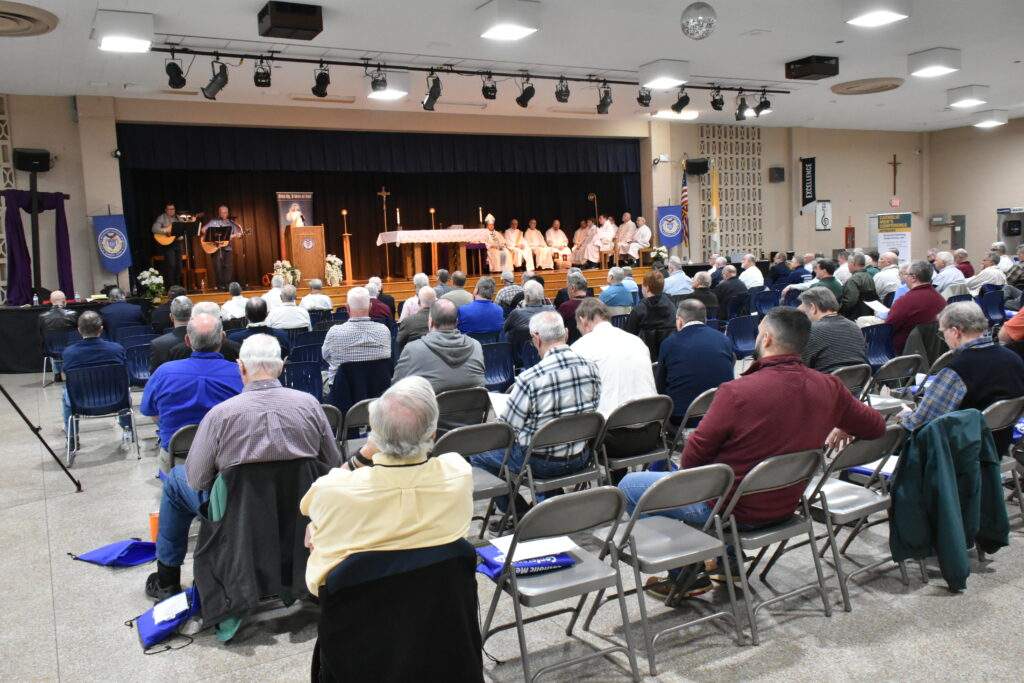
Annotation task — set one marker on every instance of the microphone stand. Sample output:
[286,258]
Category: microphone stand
[35,430]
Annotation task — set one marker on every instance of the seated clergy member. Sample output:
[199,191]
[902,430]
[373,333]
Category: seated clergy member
[979,374]
[288,316]
[160,348]
[693,359]
[603,240]
[641,240]
[272,297]
[378,309]
[228,347]
[751,275]
[316,300]
[990,273]
[946,272]
[702,293]
[542,253]
[444,356]
[357,339]
[922,304]
[458,292]
[234,307]
[415,326]
[509,290]
[677,282]
[616,294]
[265,423]
[521,254]
[392,495]
[769,427]
[581,242]
[481,315]
[517,324]
[562,383]
[499,257]
[411,306]
[181,392]
[559,243]
[119,313]
[160,317]
[256,313]
[835,341]
[624,235]
[57,320]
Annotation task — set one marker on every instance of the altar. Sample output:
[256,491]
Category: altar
[412,259]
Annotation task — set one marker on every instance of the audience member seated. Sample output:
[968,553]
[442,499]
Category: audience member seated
[654,318]
[577,292]
[729,288]
[677,281]
[751,275]
[234,307]
[256,313]
[797,273]
[481,315]
[715,272]
[562,383]
[442,287]
[444,356]
[858,290]
[385,299]
[181,392]
[160,316]
[517,300]
[1015,275]
[288,316]
[824,276]
[702,293]
[229,348]
[629,283]
[903,288]
[272,297]
[835,341]
[990,274]
[357,339]
[921,304]
[779,272]
[963,262]
[887,281]
[392,495]
[119,313]
[748,423]
[517,324]
[415,326]
[562,295]
[411,306]
[509,290]
[378,309]
[872,260]
[946,272]
[93,350]
[457,292]
[616,294]
[316,300]
[160,348]
[265,423]
[1004,262]
[57,320]
[1012,330]
[693,359]
[843,270]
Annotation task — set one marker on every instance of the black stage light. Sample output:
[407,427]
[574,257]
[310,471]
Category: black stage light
[433,92]
[764,106]
[321,79]
[741,108]
[261,75]
[605,103]
[562,91]
[175,76]
[489,89]
[643,98]
[525,95]
[717,101]
[378,81]
[680,104]
[217,81]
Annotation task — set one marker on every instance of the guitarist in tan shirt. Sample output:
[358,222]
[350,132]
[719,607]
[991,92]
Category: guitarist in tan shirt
[168,246]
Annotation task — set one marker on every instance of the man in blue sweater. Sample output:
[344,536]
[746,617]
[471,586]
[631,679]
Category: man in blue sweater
[616,294]
[481,315]
[693,359]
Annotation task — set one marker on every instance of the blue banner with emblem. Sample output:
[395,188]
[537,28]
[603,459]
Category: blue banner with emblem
[670,225]
[112,243]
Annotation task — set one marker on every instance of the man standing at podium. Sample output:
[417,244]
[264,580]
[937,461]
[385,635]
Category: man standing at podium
[222,258]
[163,226]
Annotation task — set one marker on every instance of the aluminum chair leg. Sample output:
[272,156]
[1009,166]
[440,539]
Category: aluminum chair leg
[924,572]
[724,559]
[71,441]
[779,552]
[45,360]
[135,435]
[748,599]
[577,611]
[648,640]
[840,574]
[817,564]
[598,601]
[903,573]
[853,534]
[1017,489]
[521,633]
[626,631]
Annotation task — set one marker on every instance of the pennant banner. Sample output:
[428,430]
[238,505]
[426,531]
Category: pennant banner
[808,191]
[112,243]
[670,225]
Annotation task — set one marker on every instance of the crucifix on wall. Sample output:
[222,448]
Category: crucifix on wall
[895,167]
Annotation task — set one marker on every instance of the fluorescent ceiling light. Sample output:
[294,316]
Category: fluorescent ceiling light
[937,61]
[397,87]
[874,13]
[968,96]
[685,115]
[990,118]
[664,74]
[508,20]
[123,31]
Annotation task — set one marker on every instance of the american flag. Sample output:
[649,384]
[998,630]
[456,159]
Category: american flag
[684,204]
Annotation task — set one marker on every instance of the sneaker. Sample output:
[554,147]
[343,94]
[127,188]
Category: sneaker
[718,575]
[496,528]
[157,591]
[662,588]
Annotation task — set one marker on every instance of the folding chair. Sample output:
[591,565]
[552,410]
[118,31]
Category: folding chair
[499,371]
[854,377]
[335,420]
[652,543]
[900,371]
[878,339]
[742,332]
[461,407]
[778,472]
[992,305]
[1003,415]
[940,363]
[698,408]
[98,391]
[585,428]
[356,420]
[561,516]
[54,344]
[181,442]
[636,413]
[138,364]
[476,439]
[304,377]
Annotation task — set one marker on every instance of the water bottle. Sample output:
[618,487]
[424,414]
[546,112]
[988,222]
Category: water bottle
[35,299]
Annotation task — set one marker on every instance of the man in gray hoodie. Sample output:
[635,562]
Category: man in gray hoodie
[444,356]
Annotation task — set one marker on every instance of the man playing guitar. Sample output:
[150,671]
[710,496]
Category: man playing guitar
[168,245]
[220,251]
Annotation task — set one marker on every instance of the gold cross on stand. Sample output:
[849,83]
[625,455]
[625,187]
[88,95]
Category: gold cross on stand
[384,194]
[895,167]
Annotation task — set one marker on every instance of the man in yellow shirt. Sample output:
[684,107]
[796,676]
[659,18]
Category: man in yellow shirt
[390,496]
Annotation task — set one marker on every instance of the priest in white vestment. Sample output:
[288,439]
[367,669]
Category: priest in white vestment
[580,240]
[499,258]
[559,243]
[624,235]
[641,239]
[522,255]
[542,253]
[603,240]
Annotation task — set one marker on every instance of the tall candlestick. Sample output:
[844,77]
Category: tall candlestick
[398,216]
[480,213]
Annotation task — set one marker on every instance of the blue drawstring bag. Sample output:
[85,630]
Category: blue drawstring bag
[492,560]
[162,621]
[130,553]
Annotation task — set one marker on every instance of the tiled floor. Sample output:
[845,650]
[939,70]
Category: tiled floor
[64,619]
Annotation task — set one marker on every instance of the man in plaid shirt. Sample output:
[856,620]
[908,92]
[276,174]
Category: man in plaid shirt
[562,383]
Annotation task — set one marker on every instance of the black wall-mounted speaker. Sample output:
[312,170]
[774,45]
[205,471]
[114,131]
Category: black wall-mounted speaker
[37,160]
[776,174]
[696,166]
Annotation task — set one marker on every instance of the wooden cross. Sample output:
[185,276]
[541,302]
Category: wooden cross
[895,166]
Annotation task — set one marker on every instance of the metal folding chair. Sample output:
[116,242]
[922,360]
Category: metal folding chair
[1003,415]
[568,514]
[636,413]
[583,428]
[854,377]
[941,362]
[181,442]
[476,439]
[698,407]
[357,418]
[900,371]
[652,543]
[98,391]
[778,472]
[461,407]
[335,420]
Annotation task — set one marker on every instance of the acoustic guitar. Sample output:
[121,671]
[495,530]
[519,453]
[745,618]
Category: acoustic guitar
[169,239]
[212,248]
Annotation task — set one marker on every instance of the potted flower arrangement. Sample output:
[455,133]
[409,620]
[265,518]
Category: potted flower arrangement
[658,257]
[332,268]
[290,273]
[152,283]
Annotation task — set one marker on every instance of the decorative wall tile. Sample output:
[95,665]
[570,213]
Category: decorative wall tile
[737,151]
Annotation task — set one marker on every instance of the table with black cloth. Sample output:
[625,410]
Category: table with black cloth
[21,345]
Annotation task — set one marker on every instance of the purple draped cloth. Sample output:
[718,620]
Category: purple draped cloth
[19,263]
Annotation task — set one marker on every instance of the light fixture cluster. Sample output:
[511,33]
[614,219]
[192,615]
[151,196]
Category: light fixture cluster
[744,111]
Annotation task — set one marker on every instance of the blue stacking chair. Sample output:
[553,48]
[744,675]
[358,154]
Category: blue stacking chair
[498,366]
[131,331]
[991,303]
[619,321]
[737,305]
[317,315]
[792,298]
[98,391]
[355,382]
[878,339]
[742,332]
[958,298]
[307,353]
[304,376]
[54,344]
[316,337]
[485,337]
[138,364]
[528,356]
[985,289]
[325,325]
[137,340]
[341,314]
[294,333]
[765,301]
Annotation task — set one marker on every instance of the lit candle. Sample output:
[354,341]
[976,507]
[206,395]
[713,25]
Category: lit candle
[398,216]
[480,213]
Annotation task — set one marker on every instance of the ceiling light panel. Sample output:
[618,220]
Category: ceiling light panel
[935,62]
[664,74]
[875,13]
[968,96]
[123,31]
[508,20]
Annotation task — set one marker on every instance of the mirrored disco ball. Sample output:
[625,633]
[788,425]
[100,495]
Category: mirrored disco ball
[698,21]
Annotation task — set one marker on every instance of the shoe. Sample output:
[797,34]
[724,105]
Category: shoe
[157,591]
[662,588]
[718,575]
[496,528]
[58,377]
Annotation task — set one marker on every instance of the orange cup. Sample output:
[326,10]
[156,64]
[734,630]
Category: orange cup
[154,525]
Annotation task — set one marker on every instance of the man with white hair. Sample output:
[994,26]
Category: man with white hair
[562,383]
[234,307]
[499,257]
[509,290]
[559,243]
[181,392]
[416,325]
[629,283]
[393,495]
[517,324]
[1005,262]
[751,275]
[378,309]
[728,289]
[715,271]
[357,339]
[411,306]
[677,282]
[809,259]
[887,280]
[641,240]
[616,294]
[603,241]
[228,347]
[963,262]
[272,297]
[316,300]
[581,240]
[542,253]
[385,299]
[265,423]
[842,273]
[624,235]
[946,272]
[288,316]
[990,273]
[516,244]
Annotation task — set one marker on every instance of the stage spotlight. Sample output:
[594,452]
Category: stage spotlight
[605,103]
[764,106]
[433,92]
[261,74]
[741,107]
[489,89]
[175,76]
[321,79]
[562,91]
[643,97]
[526,94]
[717,101]
[681,101]
[217,81]
[378,81]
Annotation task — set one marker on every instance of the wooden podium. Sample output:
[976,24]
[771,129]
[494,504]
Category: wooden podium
[306,250]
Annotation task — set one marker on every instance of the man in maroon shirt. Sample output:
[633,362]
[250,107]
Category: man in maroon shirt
[922,304]
[962,262]
[759,416]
